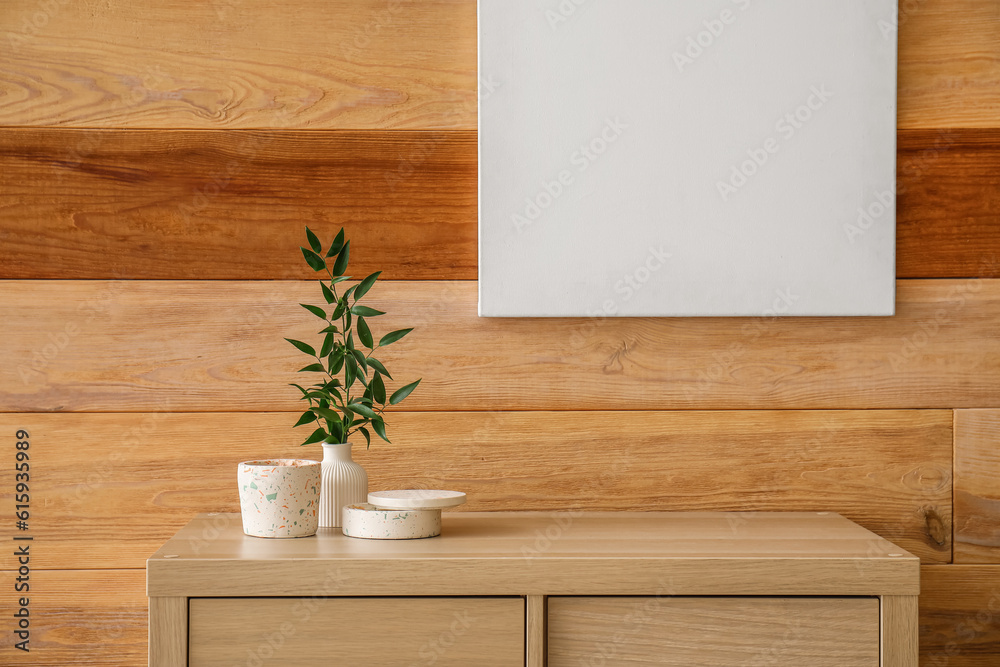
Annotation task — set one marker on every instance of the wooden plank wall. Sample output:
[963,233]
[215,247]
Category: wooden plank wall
[158,161]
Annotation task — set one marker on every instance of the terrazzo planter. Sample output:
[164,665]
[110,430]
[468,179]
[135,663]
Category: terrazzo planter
[279,497]
[344,483]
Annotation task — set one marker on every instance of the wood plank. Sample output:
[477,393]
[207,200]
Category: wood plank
[233,205]
[948,222]
[948,63]
[536,631]
[977,489]
[197,205]
[81,617]
[960,616]
[345,64]
[888,470]
[99,346]
[898,618]
[714,632]
[306,632]
[366,64]
[168,632]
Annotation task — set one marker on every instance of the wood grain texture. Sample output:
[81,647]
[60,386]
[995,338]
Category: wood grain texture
[240,64]
[306,632]
[547,553]
[948,219]
[714,632]
[366,64]
[231,205]
[81,617]
[899,629]
[168,632]
[948,63]
[888,470]
[101,346]
[977,486]
[960,616]
[535,631]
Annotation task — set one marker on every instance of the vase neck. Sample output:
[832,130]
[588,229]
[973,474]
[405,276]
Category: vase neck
[341,452]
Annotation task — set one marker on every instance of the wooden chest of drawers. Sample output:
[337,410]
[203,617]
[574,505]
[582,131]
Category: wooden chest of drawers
[558,589]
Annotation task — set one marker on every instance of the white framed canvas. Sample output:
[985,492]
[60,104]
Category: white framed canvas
[687,157]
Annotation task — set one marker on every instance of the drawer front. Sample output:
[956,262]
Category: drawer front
[374,632]
[714,632]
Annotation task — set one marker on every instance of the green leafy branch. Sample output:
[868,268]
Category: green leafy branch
[345,357]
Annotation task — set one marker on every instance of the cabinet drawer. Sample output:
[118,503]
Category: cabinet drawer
[374,632]
[714,632]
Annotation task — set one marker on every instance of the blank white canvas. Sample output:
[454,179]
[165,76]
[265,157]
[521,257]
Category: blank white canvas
[687,157]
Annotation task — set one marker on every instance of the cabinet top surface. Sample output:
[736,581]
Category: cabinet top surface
[557,535]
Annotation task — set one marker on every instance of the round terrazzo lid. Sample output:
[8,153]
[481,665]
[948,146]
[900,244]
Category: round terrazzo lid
[415,499]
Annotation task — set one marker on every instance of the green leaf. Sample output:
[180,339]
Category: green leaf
[363,410]
[403,392]
[350,370]
[365,334]
[365,311]
[313,260]
[338,244]
[339,310]
[313,368]
[379,427]
[304,392]
[315,310]
[330,329]
[349,292]
[377,365]
[339,279]
[327,413]
[302,347]
[391,338]
[327,345]
[368,437]
[360,356]
[378,388]
[318,435]
[340,266]
[336,362]
[366,285]
[306,418]
[313,241]
[328,293]
[350,341]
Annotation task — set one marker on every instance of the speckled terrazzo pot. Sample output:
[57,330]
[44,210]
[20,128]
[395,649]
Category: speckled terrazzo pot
[279,497]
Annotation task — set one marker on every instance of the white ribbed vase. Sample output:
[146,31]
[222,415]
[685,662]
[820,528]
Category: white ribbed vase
[344,483]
